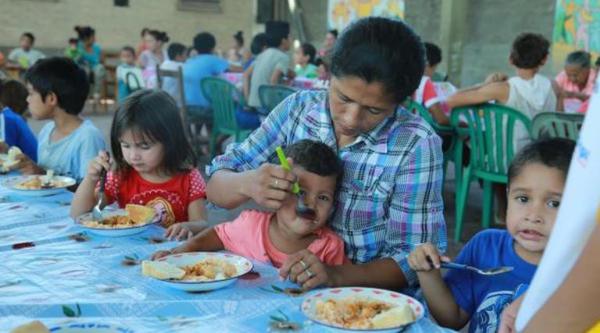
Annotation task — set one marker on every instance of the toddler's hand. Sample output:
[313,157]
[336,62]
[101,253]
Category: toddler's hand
[496,77]
[425,258]
[160,254]
[179,231]
[101,162]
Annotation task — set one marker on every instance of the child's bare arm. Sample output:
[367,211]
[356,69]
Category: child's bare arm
[426,260]
[208,240]
[85,196]
[497,91]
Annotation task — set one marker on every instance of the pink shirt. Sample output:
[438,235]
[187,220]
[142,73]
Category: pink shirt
[573,104]
[248,236]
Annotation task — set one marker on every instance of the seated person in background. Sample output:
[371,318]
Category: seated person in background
[271,65]
[91,59]
[259,44]
[324,68]
[576,81]
[238,54]
[72,51]
[58,89]
[536,179]
[304,57]
[14,130]
[177,53]
[25,55]
[129,76]
[272,236]
[528,91]
[426,93]
[13,94]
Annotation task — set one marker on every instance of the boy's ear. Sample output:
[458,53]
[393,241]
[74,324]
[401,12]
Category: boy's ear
[51,99]
[543,62]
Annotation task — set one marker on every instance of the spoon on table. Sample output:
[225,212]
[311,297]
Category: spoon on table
[301,209]
[488,271]
[97,210]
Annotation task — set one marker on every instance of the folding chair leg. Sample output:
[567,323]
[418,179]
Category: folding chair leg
[462,194]
[488,202]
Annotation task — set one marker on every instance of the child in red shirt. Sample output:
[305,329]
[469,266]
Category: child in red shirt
[154,164]
[271,237]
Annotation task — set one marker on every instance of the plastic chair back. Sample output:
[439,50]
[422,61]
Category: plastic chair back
[557,125]
[224,99]
[271,95]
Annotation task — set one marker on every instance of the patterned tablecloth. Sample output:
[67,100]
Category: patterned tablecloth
[54,271]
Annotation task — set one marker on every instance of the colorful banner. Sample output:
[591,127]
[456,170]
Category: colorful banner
[576,27]
[342,12]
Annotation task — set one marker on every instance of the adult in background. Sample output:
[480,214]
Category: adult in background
[390,198]
[91,58]
[576,80]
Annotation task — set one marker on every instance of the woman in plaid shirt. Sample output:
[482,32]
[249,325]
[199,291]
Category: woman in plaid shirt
[390,198]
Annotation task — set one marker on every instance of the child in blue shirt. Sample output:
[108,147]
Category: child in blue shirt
[13,128]
[58,89]
[536,179]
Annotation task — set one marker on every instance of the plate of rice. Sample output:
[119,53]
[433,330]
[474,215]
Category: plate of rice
[132,220]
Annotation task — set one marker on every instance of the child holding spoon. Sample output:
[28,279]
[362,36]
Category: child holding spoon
[536,179]
[271,237]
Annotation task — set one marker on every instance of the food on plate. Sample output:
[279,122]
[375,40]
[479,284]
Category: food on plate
[363,313]
[204,270]
[12,159]
[33,327]
[135,215]
[162,270]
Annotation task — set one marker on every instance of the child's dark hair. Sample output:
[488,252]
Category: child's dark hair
[529,50]
[73,40]
[155,115]
[84,32]
[62,77]
[30,36]
[553,153]
[204,42]
[579,58]
[334,32]
[377,49]
[239,38]
[259,42]
[277,31]
[160,36]
[433,54]
[315,157]
[129,49]
[309,50]
[14,95]
[176,49]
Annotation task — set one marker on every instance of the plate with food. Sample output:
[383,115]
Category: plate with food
[90,327]
[119,222]
[197,271]
[362,309]
[37,185]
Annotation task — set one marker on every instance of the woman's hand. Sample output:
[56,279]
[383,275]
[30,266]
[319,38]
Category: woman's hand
[95,167]
[269,185]
[425,258]
[306,270]
[179,231]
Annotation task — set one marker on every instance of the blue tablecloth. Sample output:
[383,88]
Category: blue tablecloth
[73,276]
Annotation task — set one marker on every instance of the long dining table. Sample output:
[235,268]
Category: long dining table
[53,270]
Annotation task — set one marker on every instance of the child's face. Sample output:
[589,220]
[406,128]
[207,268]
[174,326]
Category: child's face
[141,153]
[299,57]
[319,193]
[127,57]
[181,57]
[329,40]
[40,109]
[25,43]
[151,42]
[533,199]
[358,106]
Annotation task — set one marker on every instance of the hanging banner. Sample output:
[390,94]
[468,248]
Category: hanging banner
[342,12]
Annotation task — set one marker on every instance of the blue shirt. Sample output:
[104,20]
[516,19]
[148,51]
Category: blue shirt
[196,69]
[70,155]
[484,297]
[90,58]
[390,199]
[16,133]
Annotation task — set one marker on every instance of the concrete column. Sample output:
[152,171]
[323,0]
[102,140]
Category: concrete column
[453,29]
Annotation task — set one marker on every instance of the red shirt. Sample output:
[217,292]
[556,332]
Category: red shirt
[170,199]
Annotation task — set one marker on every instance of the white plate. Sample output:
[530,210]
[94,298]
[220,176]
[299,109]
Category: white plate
[89,328]
[11,182]
[242,266]
[111,232]
[391,297]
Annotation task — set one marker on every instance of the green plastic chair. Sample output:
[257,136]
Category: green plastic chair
[419,109]
[491,132]
[224,99]
[271,95]
[557,125]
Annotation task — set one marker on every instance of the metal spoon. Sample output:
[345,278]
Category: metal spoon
[488,271]
[301,209]
[97,210]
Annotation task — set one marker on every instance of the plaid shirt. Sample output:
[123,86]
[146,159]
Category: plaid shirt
[390,198]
